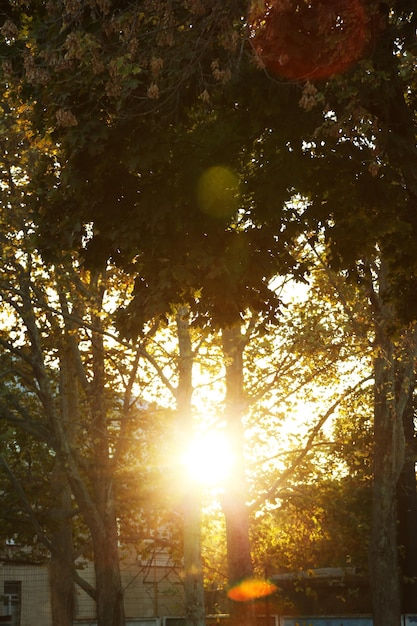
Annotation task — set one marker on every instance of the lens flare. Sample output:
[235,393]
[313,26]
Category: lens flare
[310,39]
[251,589]
[218,192]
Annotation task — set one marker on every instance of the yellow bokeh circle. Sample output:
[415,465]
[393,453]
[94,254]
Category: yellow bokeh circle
[218,191]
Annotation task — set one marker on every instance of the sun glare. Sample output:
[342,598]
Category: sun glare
[208,459]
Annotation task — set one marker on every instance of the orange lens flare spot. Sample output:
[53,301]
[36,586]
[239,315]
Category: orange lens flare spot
[251,589]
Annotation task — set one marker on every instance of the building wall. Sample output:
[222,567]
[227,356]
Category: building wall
[151,590]
[35,606]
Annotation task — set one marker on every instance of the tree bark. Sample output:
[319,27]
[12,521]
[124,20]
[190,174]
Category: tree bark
[61,565]
[407,515]
[393,368]
[384,565]
[93,489]
[193,568]
[109,592]
[234,503]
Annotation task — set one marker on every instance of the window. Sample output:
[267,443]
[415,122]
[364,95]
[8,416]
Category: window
[12,599]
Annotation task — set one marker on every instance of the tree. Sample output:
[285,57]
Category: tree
[234,502]
[306,507]
[368,138]
[322,512]
[407,511]
[193,570]
[57,345]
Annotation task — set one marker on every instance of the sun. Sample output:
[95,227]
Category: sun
[208,459]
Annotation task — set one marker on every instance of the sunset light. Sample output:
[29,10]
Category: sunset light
[208,459]
[208,312]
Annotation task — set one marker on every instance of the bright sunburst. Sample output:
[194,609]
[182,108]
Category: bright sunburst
[208,459]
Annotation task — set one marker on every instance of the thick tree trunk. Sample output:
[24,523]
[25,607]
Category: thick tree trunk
[193,567]
[393,372]
[100,517]
[238,555]
[104,534]
[235,508]
[61,565]
[60,570]
[407,515]
[109,591]
[384,565]
[110,611]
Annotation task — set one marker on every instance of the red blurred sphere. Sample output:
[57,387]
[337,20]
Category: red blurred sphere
[311,39]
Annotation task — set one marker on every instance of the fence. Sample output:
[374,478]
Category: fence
[272,620]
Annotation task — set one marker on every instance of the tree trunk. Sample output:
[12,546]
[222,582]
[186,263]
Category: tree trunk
[61,565]
[60,570]
[193,568]
[93,490]
[235,509]
[110,611]
[393,371]
[407,515]
[384,566]
[104,534]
